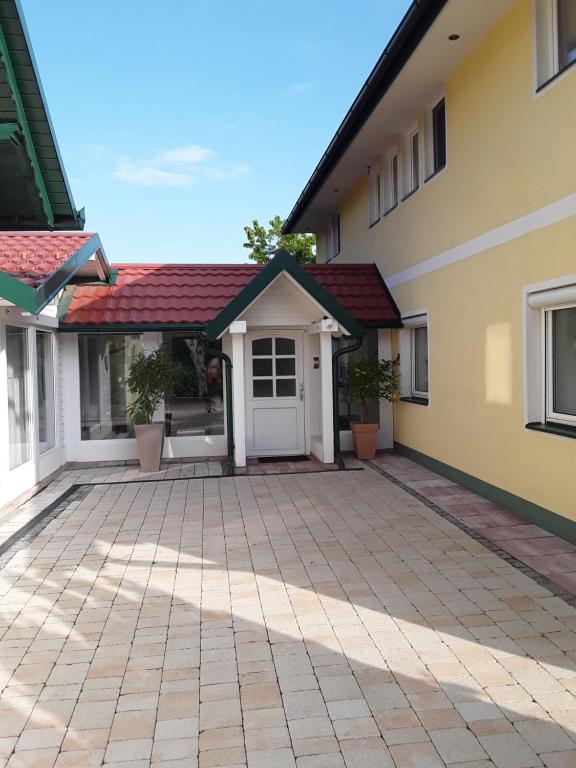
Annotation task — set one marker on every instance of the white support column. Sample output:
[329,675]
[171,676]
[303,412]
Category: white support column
[237,332]
[326,397]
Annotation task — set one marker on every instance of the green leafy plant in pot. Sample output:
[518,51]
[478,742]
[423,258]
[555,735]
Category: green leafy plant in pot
[369,381]
[149,379]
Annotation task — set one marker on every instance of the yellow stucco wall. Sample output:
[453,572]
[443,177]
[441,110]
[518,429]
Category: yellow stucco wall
[510,152]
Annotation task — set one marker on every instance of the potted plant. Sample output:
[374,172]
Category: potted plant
[149,379]
[368,382]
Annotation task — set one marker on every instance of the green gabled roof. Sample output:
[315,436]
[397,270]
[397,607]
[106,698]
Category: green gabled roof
[282,262]
[34,191]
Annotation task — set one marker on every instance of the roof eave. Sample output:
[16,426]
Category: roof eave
[413,27]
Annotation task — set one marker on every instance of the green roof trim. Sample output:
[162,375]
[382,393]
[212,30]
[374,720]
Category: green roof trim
[34,190]
[34,300]
[282,262]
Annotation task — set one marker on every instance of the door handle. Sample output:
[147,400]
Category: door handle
[301,389]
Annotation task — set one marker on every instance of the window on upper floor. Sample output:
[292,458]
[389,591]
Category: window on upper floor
[555,37]
[413,169]
[392,183]
[439,135]
[374,194]
[333,237]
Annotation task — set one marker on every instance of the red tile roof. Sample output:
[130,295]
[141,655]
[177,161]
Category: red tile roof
[33,256]
[197,293]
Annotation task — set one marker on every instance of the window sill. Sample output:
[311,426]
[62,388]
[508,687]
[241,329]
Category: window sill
[411,193]
[555,77]
[415,400]
[435,174]
[390,210]
[563,430]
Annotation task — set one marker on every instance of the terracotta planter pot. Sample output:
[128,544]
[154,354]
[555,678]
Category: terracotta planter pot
[365,436]
[150,443]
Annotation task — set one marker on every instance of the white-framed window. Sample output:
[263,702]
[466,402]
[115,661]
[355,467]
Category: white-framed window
[550,355]
[46,425]
[333,237]
[413,165]
[555,37]
[392,196]
[414,352]
[374,194]
[435,136]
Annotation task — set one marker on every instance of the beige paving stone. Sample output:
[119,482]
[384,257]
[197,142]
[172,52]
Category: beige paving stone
[133,725]
[271,758]
[271,738]
[93,715]
[559,759]
[510,751]
[457,745]
[220,714]
[223,737]
[331,760]
[422,755]
[175,750]
[260,696]
[33,758]
[128,749]
[87,758]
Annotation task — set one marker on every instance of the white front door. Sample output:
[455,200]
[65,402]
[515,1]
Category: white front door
[274,394]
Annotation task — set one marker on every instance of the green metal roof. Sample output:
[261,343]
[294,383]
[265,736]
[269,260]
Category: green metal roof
[34,191]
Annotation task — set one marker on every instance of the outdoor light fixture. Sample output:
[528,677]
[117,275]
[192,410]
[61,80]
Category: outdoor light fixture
[454,37]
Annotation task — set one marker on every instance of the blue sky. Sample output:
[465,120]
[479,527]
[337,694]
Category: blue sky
[179,121]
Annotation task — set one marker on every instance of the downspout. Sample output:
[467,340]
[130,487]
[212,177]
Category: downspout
[356,344]
[229,420]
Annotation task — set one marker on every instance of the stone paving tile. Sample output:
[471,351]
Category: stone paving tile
[291,621]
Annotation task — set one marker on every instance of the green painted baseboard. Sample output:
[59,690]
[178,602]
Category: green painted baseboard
[545,518]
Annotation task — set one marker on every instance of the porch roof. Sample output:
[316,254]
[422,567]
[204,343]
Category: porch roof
[36,266]
[159,295]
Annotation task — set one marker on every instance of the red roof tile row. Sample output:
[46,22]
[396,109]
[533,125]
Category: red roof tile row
[197,293]
[33,256]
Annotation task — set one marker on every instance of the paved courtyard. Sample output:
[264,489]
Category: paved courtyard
[328,620]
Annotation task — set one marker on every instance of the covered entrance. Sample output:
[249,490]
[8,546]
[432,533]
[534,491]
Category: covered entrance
[275,394]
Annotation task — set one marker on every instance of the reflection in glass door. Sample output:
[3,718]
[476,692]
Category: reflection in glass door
[18,407]
[45,379]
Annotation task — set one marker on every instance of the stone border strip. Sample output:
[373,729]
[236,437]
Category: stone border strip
[543,581]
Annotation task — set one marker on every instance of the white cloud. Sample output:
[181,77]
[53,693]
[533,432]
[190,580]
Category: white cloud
[224,173]
[299,87]
[189,155]
[151,176]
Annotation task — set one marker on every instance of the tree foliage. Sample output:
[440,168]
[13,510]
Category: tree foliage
[372,380]
[263,242]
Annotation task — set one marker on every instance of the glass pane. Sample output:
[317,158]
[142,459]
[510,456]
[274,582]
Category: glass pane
[415,162]
[262,347]
[263,388]
[18,413]
[285,387]
[566,32]
[262,366]
[105,360]
[285,366]
[195,406]
[351,410]
[564,354]
[285,347]
[45,379]
[439,121]
[420,341]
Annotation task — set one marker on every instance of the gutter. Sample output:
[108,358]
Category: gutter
[412,29]
[356,344]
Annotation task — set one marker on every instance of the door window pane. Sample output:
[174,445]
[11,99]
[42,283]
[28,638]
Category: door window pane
[195,406]
[564,361]
[262,347]
[566,32]
[286,366]
[351,410]
[285,387]
[18,410]
[420,359]
[105,360]
[285,347]
[45,386]
[262,366]
[263,388]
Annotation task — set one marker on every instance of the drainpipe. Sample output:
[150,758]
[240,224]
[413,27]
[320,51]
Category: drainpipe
[229,421]
[356,344]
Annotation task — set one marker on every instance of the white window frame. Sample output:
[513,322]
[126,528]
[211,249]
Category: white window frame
[415,392]
[333,237]
[392,181]
[551,414]
[546,43]
[411,321]
[374,194]
[540,299]
[412,170]
[428,130]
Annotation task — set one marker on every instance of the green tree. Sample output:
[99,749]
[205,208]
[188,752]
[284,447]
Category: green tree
[263,243]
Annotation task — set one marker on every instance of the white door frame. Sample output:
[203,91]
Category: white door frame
[298,400]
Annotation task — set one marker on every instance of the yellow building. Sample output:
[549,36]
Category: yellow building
[455,172]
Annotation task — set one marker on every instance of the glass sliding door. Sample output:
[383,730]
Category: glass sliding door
[18,405]
[45,379]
